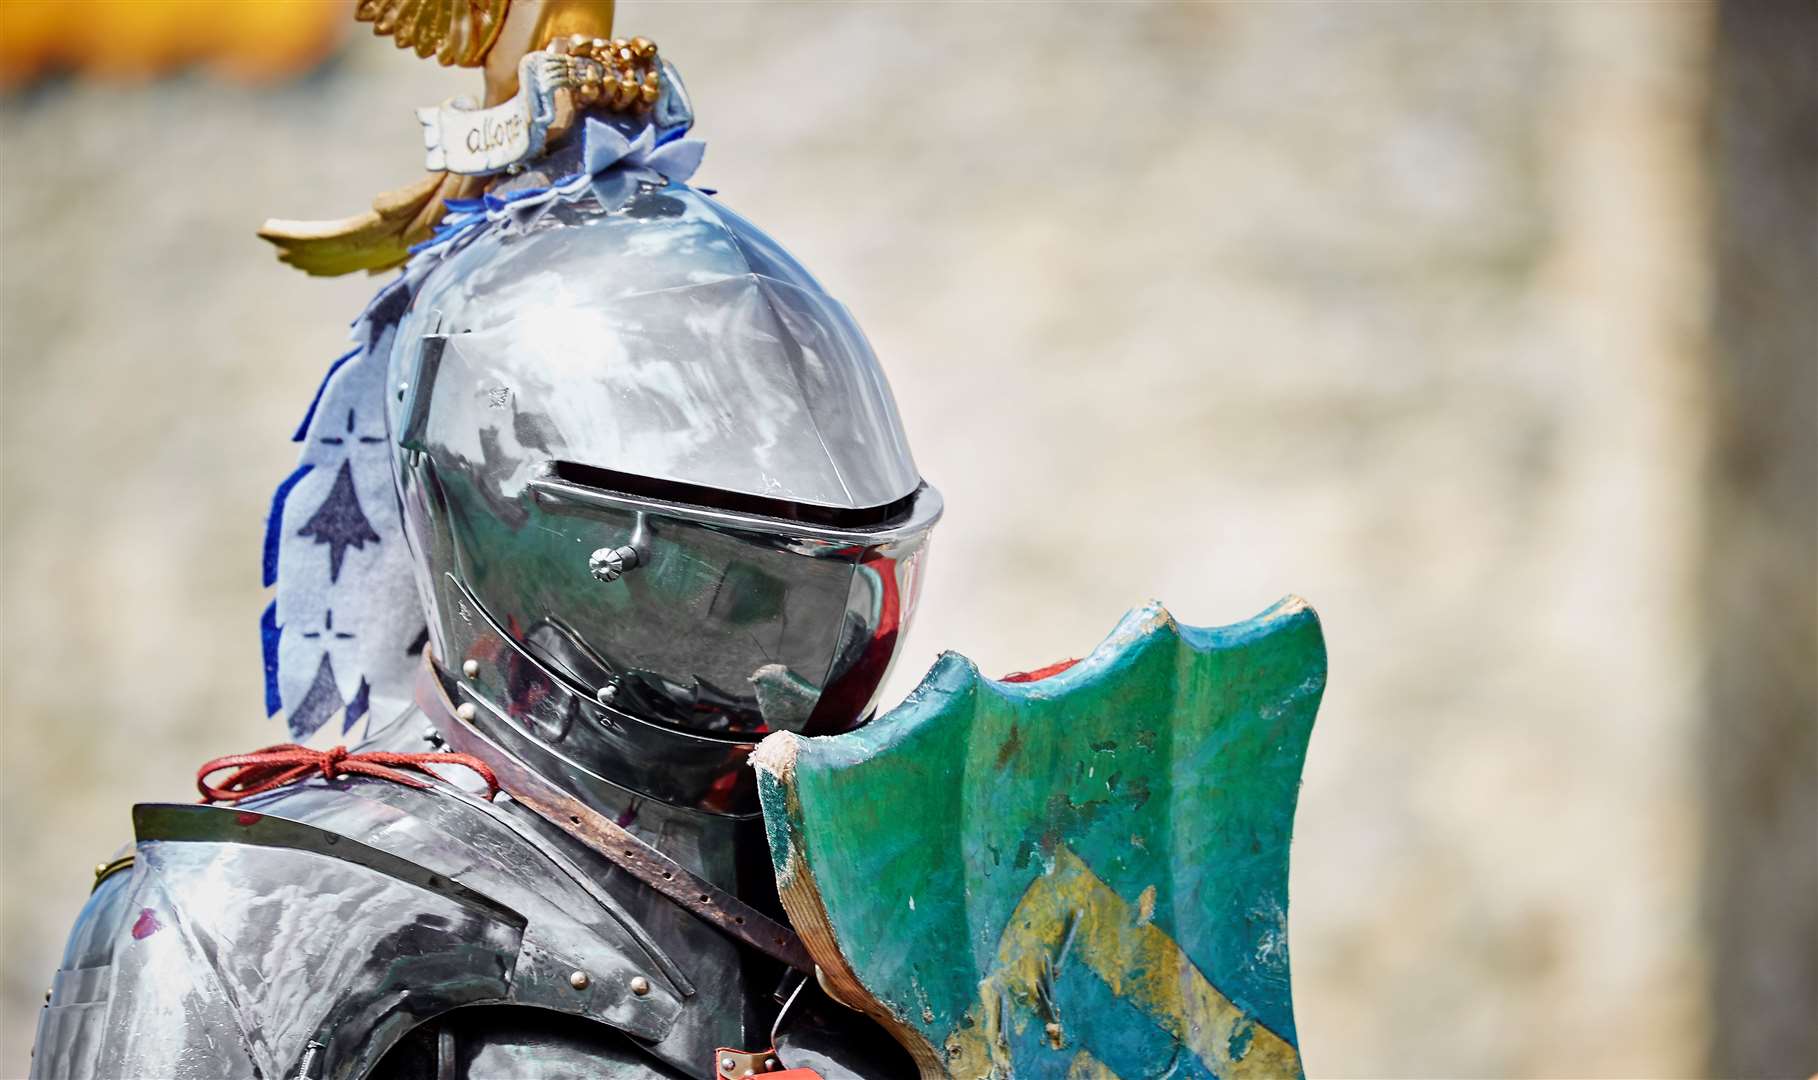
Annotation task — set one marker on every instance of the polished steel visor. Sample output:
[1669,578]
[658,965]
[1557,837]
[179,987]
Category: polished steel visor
[715,618]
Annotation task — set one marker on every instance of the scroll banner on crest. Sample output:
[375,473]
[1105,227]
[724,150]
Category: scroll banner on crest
[469,141]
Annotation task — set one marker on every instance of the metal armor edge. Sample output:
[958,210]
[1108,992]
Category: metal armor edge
[304,933]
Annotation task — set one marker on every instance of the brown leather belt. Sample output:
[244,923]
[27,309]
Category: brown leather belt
[700,897]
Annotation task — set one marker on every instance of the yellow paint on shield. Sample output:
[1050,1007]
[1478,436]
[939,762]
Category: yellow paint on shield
[1140,964]
[1086,1067]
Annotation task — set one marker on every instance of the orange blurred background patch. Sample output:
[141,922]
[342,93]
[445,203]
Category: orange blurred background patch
[136,40]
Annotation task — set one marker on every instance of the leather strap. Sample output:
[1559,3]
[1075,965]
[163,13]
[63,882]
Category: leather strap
[700,897]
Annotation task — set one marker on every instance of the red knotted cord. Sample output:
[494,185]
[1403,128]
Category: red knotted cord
[286,763]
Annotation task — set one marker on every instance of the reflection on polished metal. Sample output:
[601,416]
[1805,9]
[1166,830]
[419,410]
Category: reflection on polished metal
[659,504]
[384,908]
[608,564]
[400,906]
[611,841]
[417,901]
[654,395]
[584,340]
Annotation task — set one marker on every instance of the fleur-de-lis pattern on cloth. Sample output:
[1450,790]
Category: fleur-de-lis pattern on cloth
[345,628]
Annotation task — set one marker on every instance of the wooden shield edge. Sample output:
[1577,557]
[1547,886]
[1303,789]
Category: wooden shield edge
[775,760]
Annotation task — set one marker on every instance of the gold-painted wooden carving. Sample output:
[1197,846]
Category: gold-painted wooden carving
[489,34]
[375,240]
[455,32]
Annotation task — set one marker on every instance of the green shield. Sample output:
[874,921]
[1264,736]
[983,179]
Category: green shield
[1081,876]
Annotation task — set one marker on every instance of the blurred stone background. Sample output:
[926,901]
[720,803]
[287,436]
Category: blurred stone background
[1488,328]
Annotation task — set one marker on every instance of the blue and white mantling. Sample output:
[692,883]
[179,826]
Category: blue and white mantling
[344,632]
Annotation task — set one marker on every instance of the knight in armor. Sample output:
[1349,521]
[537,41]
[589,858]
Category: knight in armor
[653,493]
[605,536]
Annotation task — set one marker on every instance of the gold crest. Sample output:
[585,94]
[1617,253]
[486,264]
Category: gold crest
[489,34]
[457,32]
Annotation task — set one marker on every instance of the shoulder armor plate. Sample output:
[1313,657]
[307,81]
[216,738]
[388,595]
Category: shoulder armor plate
[302,934]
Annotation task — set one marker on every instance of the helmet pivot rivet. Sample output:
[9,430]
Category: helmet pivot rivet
[466,710]
[471,668]
[609,564]
[605,694]
[640,985]
[579,980]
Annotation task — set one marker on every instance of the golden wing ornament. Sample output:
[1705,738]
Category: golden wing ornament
[455,32]
[493,34]
[376,240]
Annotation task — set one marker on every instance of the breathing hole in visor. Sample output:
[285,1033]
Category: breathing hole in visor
[609,481]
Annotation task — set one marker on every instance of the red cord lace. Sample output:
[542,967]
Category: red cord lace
[286,763]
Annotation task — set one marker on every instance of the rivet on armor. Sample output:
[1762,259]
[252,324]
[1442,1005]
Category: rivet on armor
[728,1064]
[610,564]
[579,980]
[605,694]
[471,668]
[640,985]
[466,710]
